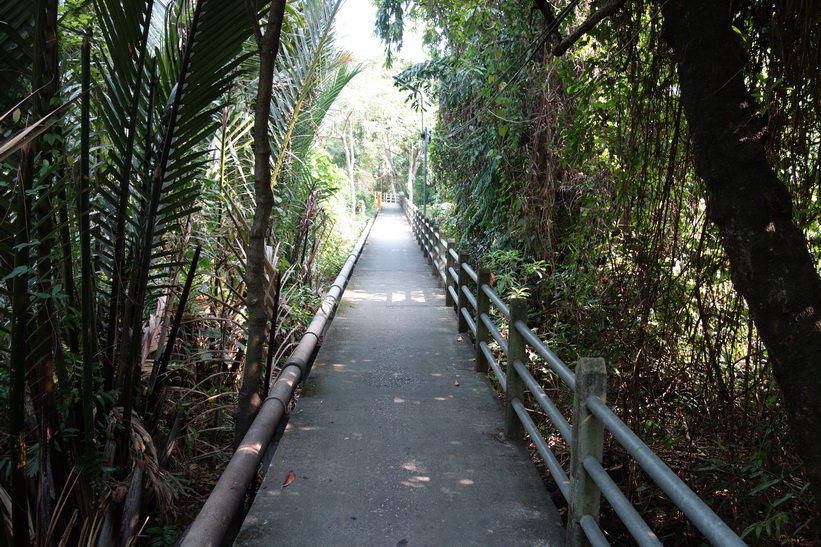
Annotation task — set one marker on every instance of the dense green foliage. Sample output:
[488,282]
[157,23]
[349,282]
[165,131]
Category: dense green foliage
[580,167]
[122,250]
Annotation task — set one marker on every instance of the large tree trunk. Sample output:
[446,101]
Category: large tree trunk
[249,394]
[770,264]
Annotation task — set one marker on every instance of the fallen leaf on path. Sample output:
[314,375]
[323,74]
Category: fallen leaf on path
[289,478]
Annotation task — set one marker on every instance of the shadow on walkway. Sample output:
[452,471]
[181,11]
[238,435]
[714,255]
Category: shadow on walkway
[395,440]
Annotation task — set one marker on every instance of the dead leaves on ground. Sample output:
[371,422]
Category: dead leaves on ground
[289,478]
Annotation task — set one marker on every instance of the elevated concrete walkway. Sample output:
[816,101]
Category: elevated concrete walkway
[395,440]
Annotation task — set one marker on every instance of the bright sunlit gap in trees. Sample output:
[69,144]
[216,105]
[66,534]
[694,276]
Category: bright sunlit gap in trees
[354,26]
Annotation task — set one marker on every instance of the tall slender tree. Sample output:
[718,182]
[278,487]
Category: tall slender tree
[285,123]
[268,48]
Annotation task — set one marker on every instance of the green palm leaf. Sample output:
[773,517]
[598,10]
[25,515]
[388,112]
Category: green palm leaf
[16,39]
[167,67]
[304,64]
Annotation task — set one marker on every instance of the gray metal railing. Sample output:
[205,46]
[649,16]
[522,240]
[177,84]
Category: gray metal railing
[389,197]
[226,500]
[474,300]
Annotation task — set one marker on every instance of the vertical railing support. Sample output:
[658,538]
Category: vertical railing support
[482,307]
[462,299]
[450,263]
[436,251]
[425,236]
[516,351]
[587,442]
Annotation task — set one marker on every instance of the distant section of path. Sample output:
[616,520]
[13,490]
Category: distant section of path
[395,440]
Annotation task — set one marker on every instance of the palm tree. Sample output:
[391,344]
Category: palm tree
[307,78]
[163,70]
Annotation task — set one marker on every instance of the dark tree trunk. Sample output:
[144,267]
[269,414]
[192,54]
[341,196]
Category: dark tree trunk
[249,393]
[769,260]
[44,345]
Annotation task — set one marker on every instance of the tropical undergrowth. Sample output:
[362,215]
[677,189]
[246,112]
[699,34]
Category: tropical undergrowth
[125,160]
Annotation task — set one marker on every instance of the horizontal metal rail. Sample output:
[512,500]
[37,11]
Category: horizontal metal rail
[621,505]
[482,325]
[547,455]
[552,360]
[494,332]
[469,296]
[494,364]
[696,510]
[538,393]
[470,322]
[500,305]
[228,496]
[593,532]
[470,272]
[453,294]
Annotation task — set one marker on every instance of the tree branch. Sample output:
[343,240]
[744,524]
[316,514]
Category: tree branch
[253,16]
[605,11]
[549,19]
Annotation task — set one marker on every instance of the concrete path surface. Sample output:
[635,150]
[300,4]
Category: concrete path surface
[395,441]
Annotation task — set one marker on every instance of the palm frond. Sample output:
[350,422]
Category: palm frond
[302,68]
[16,51]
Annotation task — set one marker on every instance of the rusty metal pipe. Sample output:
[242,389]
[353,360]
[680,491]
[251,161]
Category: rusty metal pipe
[228,496]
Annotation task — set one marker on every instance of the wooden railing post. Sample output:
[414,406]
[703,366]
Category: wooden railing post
[482,307]
[435,251]
[434,248]
[587,442]
[516,351]
[462,300]
[450,263]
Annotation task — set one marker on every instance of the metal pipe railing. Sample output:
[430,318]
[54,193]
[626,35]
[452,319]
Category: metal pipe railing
[696,510]
[228,496]
[494,332]
[498,302]
[470,272]
[590,416]
[552,360]
[469,296]
[547,455]
[624,509]
[494,364]
[549,408]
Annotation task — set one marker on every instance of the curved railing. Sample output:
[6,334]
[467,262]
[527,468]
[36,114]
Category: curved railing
[228,497]
[471,294]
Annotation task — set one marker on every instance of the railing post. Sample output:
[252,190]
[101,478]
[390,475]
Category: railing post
[434,249]
[587,442]
[442,251]
[516,351]
[425,230]
[434,246]
[462,299]
[450,263]
[482,307]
